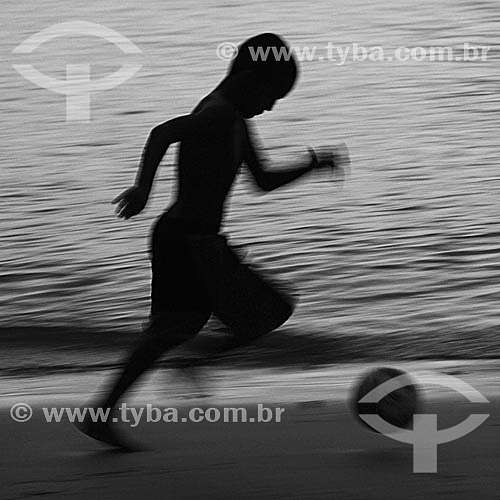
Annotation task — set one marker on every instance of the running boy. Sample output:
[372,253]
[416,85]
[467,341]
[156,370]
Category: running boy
[188,255]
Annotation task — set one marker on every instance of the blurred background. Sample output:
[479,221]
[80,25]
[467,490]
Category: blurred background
[402,262]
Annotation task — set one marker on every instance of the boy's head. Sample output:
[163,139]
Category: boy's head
[266,71]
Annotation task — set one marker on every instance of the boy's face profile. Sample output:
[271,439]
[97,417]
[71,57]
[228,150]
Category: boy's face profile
[260,105]
[259,100]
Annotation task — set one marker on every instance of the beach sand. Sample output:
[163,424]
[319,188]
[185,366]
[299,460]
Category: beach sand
[317,451]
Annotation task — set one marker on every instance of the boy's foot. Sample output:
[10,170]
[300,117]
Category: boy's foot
[106,433]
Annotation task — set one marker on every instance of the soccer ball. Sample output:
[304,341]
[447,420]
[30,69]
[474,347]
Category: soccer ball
[397,405]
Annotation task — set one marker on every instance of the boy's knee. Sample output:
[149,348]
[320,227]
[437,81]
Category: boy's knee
[176,328]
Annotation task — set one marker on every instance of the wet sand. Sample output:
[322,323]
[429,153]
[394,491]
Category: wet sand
[317,451]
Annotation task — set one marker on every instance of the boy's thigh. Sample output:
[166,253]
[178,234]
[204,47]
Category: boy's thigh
[176,283]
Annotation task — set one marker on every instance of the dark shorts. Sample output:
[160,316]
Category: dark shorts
[176,282]
[197,274]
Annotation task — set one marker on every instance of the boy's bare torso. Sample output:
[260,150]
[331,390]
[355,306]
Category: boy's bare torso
[207,166]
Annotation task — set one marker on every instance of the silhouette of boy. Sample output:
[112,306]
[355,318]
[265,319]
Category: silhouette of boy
[195,272]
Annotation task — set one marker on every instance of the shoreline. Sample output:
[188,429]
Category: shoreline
[321,383]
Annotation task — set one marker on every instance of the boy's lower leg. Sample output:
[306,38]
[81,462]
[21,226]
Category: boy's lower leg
[151,347]
[162,337]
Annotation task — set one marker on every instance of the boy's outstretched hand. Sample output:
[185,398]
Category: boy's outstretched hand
[131,202]
[335,159]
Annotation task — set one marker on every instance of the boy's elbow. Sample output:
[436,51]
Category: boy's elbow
[260,187]
[262,179]
[163,132]
[157,132]
[265,181]
[265,186]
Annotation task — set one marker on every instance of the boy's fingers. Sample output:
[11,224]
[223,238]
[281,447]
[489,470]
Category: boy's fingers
[314,157]
[344,153]
[120,208]
[118,198]
[122,195]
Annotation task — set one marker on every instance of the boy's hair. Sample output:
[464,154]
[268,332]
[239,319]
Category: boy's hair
[270,58]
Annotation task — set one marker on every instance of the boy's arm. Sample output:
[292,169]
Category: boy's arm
[154,151]
[268,180]
[207,121]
